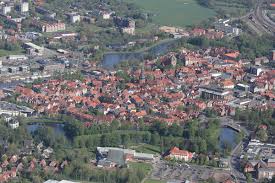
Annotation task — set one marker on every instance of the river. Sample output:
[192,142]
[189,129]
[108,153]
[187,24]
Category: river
[57,127]
[114,58]
[228,137]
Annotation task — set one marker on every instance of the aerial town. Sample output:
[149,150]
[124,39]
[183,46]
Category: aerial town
[118,91]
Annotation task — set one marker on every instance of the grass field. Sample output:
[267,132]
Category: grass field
[175,12]
[6,53]
[153,181]
[145,167]
[41,120]
[147,148]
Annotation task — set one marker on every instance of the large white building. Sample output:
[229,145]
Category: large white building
[6,9]
[33,49]
[53,27]
[74,17]
[223,26]
[24,7]
[13,124]
[14,110]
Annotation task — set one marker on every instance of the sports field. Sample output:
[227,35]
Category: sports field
[175,12]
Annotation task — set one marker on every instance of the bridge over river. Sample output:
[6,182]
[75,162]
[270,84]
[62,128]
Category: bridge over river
[232,125]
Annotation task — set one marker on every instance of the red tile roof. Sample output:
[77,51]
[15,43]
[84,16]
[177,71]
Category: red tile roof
[232,54]
[177,151]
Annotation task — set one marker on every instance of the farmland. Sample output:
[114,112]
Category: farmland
[175,12]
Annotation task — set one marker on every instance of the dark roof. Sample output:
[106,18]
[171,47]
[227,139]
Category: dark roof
[104,162]
[116,156]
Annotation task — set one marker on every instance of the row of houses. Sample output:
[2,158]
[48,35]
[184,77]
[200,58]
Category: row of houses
[14,110]
[261,159]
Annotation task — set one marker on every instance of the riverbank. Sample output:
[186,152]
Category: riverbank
[163,41]
[46,120]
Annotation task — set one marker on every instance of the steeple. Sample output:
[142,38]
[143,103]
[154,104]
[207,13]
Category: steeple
[142,75]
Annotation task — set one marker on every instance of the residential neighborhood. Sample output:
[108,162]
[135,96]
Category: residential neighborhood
[133,91]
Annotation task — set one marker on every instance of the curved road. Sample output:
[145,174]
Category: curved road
[234,164]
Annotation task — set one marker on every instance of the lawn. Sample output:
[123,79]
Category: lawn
[175,12]
[6,53]
[153,181]
[147,148]
[145,167]
[41,120]
[147,29]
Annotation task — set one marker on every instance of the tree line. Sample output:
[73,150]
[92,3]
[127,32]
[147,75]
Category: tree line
[191,136]
[249,46]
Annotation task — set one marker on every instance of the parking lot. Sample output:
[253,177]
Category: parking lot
[164,171]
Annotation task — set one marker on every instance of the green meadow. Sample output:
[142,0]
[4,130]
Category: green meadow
[175,12]
[6,52]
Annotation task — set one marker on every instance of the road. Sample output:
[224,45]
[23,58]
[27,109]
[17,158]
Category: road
[234,164]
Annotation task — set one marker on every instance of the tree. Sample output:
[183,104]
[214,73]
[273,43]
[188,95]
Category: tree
[133,177]
[146,137]
[210,113]
[159,127]
[249,178]
[104,140]
[202,145]
[12,149]
[175,130]
[4,158]
[47,135]
[73,128]
[211,180]
[114,125]
[125,139]
[142,126]
[192,129]
[155,139]
[36,179]
[262,135]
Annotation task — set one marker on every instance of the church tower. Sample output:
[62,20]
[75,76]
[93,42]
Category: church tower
[142,75]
